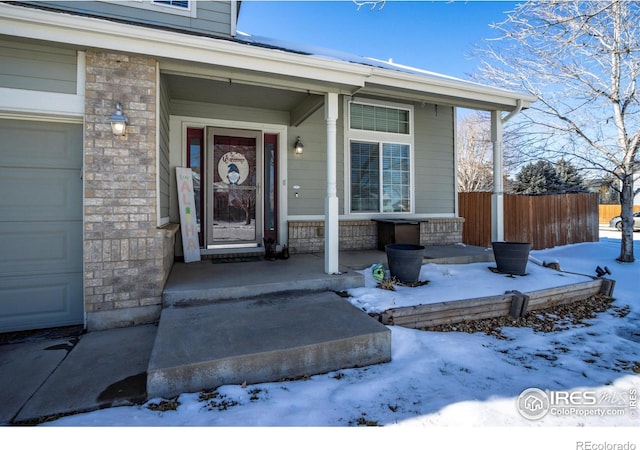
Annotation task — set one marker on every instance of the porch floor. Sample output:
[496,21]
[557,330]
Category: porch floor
[207,280]
[261,321]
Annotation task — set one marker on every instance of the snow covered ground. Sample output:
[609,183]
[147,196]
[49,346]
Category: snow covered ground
[446,387]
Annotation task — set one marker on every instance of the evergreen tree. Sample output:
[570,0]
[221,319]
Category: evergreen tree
[545,178]
[539,178]
[572,181]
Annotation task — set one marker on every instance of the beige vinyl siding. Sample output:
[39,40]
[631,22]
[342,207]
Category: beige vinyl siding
[212,17]
[164,166]
[434,163]
[29,65]
[309,170]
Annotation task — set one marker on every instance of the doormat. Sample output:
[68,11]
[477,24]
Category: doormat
[237,259]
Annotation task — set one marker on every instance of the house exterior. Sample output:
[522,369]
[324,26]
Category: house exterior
[89,220]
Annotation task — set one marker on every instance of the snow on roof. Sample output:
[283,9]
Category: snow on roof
[336,55]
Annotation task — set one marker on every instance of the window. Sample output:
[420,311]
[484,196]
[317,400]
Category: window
[379,118]
[186,8]
[380,159]
[175,3]
[179,7]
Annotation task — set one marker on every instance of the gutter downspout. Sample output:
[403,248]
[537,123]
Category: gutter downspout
[497,197]
[513,113]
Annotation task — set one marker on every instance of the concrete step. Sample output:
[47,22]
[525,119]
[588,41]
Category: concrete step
[261,340]
[204,282]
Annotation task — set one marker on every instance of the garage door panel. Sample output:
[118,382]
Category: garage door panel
[36,194]
[41,276]
[40,144]
[45,247]
[40,302]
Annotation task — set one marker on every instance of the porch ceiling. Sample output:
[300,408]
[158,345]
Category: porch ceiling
[231,93]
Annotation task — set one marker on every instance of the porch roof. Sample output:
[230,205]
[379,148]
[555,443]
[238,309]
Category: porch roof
[258,61]
[406,82]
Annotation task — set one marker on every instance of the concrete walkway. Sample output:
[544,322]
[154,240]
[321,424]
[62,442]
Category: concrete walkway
[74,373]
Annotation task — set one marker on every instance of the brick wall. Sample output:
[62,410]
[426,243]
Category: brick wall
[308,236]
[441,231]
[125,253]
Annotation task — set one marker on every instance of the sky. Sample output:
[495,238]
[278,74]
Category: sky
[456,389]
[438,36]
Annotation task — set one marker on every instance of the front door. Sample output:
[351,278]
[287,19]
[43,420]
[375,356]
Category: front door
[234,201]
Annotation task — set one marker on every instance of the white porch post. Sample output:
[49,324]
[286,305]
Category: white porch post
[497,198]
[331,229]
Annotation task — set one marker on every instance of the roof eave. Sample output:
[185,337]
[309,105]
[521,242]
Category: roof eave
[70,29]
[455,92]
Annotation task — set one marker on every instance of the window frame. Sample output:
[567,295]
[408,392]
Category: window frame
[151,5]
[380,138]
[164,3]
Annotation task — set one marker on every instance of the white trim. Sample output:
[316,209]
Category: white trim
[450,87]
[81,73]
[41,103]
[42,117]
[331,204]
[455,161]
[160,221]
[234,17]
[380,138]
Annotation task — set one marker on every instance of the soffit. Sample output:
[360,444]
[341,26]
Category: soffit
[232,93]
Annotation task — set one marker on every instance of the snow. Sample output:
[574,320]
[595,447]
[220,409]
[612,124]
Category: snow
[336,55]
[459,281]
[454,386]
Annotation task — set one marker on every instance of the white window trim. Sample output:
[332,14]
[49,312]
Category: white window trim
[381,138]
[168,9]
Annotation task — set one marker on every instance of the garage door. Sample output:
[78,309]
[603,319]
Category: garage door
[40,225]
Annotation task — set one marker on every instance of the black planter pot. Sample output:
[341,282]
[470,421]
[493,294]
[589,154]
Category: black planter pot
[405,261]
[511,257]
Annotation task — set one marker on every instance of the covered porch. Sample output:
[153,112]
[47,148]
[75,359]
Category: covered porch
[282,107]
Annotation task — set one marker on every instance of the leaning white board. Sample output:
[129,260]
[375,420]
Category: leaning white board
[188,220]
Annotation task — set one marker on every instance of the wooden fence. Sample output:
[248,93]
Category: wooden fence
[608,212]
[546,220]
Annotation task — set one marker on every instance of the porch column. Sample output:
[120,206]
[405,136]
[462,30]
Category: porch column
[497,198]
[331,229]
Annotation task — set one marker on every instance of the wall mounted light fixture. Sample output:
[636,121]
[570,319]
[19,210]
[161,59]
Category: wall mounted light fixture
[298,148]
[118,121]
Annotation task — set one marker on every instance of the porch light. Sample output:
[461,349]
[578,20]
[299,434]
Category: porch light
[118,121]
[298,148]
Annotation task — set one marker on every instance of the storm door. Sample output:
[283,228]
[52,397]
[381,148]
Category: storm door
[234,203]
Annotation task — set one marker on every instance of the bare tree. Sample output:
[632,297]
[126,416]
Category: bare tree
[582,60]
[372,3]
[474,153]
